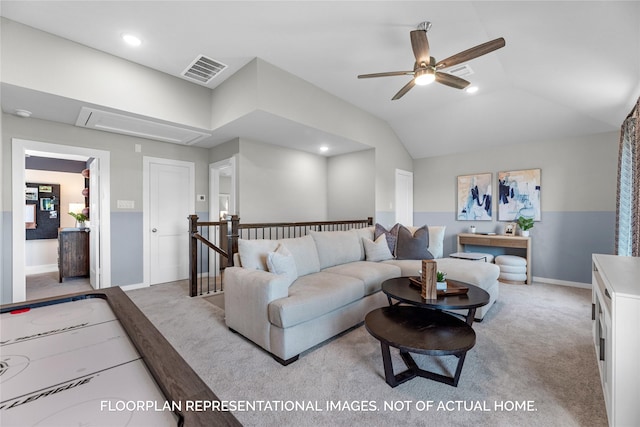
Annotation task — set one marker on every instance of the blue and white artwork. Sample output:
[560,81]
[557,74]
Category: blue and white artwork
[519,195]
[474,197]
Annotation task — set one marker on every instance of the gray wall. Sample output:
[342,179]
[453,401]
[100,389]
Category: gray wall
[280,184]
[351,188]
[578,195]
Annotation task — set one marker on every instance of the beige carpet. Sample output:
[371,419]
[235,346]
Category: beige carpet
[46,285]
[533,365]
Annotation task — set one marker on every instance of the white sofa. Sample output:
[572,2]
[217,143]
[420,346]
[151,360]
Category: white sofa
[289,295]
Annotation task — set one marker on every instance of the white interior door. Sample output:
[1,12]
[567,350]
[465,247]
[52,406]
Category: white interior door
[94,221]
[171,201]
[404,197]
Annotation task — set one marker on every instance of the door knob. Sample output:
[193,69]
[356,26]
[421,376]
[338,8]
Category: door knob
[154,230]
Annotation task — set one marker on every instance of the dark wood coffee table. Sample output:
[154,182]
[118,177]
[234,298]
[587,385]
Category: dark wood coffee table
[400,289]
[419,330]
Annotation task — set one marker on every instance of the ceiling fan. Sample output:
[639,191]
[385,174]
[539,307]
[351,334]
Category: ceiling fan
[426,69]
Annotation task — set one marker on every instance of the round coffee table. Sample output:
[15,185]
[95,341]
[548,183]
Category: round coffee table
[400,289]
[418,330]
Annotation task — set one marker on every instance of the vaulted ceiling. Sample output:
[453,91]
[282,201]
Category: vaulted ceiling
[568,68]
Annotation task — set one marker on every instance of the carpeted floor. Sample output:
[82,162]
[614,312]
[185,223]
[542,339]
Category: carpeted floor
[45,285]
[533,364]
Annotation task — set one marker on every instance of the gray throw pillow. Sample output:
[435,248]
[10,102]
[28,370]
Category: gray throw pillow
[413,246]
[391,235]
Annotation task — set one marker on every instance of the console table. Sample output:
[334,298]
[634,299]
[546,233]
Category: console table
[500,241]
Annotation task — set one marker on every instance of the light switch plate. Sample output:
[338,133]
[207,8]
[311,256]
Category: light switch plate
[126,204]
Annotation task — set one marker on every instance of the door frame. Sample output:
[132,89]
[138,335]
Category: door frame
[214,201]
[18,152]
[146,186]
[214,187]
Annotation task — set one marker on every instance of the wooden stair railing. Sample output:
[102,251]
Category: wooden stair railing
[229,232]
[201,259]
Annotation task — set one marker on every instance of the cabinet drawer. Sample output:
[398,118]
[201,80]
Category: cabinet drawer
[480,241]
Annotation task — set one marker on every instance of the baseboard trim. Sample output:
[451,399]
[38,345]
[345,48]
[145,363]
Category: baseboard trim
[562,282]
[132,287]
[39,269]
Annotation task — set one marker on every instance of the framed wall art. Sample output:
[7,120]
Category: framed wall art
[510,229]
[519,194]
[474,197]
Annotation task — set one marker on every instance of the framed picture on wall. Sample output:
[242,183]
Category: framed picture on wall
[31,193]
[46,204]
[474,197]
[510,229]
[519,194]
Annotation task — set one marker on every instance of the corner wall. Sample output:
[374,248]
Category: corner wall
[578,179]
[265,87]
[277,184]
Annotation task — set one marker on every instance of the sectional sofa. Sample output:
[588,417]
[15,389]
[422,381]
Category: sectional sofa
[289,295]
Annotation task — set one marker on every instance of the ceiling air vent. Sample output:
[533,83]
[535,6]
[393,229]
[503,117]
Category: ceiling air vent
[460,70]
[203,69]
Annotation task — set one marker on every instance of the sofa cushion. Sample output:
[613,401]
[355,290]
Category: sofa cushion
[391,235]
[364,233]
[378,250]
[314,295]
[304,253]
[253,253]
[282,262]
[372,274]
[337,247]
[481,274]
[408,267]
[413,245]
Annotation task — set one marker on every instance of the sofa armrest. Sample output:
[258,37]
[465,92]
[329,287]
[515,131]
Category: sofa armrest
[247,294]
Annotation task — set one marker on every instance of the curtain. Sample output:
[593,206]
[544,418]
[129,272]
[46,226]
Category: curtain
[628,194]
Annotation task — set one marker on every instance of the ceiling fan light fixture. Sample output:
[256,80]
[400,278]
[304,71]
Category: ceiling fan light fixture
[424,76]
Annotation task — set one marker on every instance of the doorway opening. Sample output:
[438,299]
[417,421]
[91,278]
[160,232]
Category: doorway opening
[100,252]
[222,203]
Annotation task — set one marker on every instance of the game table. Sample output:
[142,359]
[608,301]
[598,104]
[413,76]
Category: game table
[93,358]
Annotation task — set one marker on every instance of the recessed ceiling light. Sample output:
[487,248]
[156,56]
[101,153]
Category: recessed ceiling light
[324,148]
[23,113]
[472,89]
[131,40]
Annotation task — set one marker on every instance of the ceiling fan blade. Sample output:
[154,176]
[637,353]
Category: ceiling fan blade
[387,74]
[472,53]
[406,88]
[451,80]
[420,46]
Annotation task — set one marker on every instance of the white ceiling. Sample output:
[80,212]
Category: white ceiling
[568,69]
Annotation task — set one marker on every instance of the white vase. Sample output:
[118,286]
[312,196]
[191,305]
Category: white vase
[441,286]
[524,233]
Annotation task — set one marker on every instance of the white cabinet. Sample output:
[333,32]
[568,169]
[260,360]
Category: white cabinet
[616,334]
